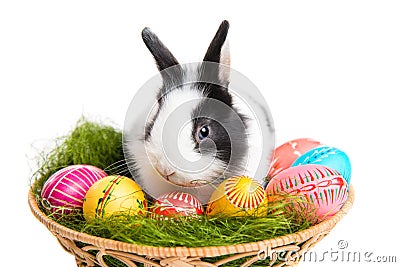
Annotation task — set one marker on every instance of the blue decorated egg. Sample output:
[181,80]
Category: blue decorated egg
[328,156]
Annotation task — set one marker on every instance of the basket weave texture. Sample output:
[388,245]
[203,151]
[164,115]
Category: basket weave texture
[91,250]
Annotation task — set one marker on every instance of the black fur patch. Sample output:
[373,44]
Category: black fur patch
[213,53]
[217,92]
[218,135]
[149,127]
[227,132]
[163,57]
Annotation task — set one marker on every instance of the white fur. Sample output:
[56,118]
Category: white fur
[225,63]
[169,150]
[254,138]
[260,131]
[151,158]
[174,121]
[150,155]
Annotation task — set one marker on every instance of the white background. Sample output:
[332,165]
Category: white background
[328,70]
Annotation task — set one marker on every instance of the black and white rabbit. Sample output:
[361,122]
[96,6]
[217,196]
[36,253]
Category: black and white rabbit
[197,131]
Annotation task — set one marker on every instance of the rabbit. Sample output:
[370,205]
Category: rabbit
[197,131]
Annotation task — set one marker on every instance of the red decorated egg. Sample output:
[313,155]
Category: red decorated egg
[65,190]
[321,186]
[287,153]
[177,204]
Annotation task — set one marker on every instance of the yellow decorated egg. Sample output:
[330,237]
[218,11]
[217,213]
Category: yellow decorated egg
[112,195]
[238,196]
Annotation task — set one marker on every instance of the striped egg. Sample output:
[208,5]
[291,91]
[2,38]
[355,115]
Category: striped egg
[64,190]
[324,188]
[238,196]
[177,204]
[331,157]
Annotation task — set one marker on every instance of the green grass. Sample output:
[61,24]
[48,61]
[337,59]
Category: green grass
[190,232]
[101,145]
[89,142]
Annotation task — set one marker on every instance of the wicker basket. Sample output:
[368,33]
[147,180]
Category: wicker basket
[281,251]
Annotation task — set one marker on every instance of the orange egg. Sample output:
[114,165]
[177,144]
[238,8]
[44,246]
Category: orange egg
[238,196]
[287,153]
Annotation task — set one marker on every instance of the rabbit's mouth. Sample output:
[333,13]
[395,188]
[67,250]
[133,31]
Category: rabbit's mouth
[176,179]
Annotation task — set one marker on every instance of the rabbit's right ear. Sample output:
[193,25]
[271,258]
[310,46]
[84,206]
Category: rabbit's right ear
[218,52]
[163,57]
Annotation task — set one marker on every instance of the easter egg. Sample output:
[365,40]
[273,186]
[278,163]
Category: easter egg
[64,190]
[176,204]
[324,188]
[114,195]
[328,156]
[287,153]
[237,196]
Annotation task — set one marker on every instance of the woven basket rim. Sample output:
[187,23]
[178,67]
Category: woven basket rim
[211,251]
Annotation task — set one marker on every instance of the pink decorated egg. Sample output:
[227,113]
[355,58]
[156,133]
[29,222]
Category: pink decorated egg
[176,204]
[287,153]
[324,188]
[65,190]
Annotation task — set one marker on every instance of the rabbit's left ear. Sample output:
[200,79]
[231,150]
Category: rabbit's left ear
[218,52]
[163,57]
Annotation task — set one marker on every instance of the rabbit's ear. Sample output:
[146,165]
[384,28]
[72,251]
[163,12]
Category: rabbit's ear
[163,57]
[218,51]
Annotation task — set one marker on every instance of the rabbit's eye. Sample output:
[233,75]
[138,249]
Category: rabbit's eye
[203,132]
